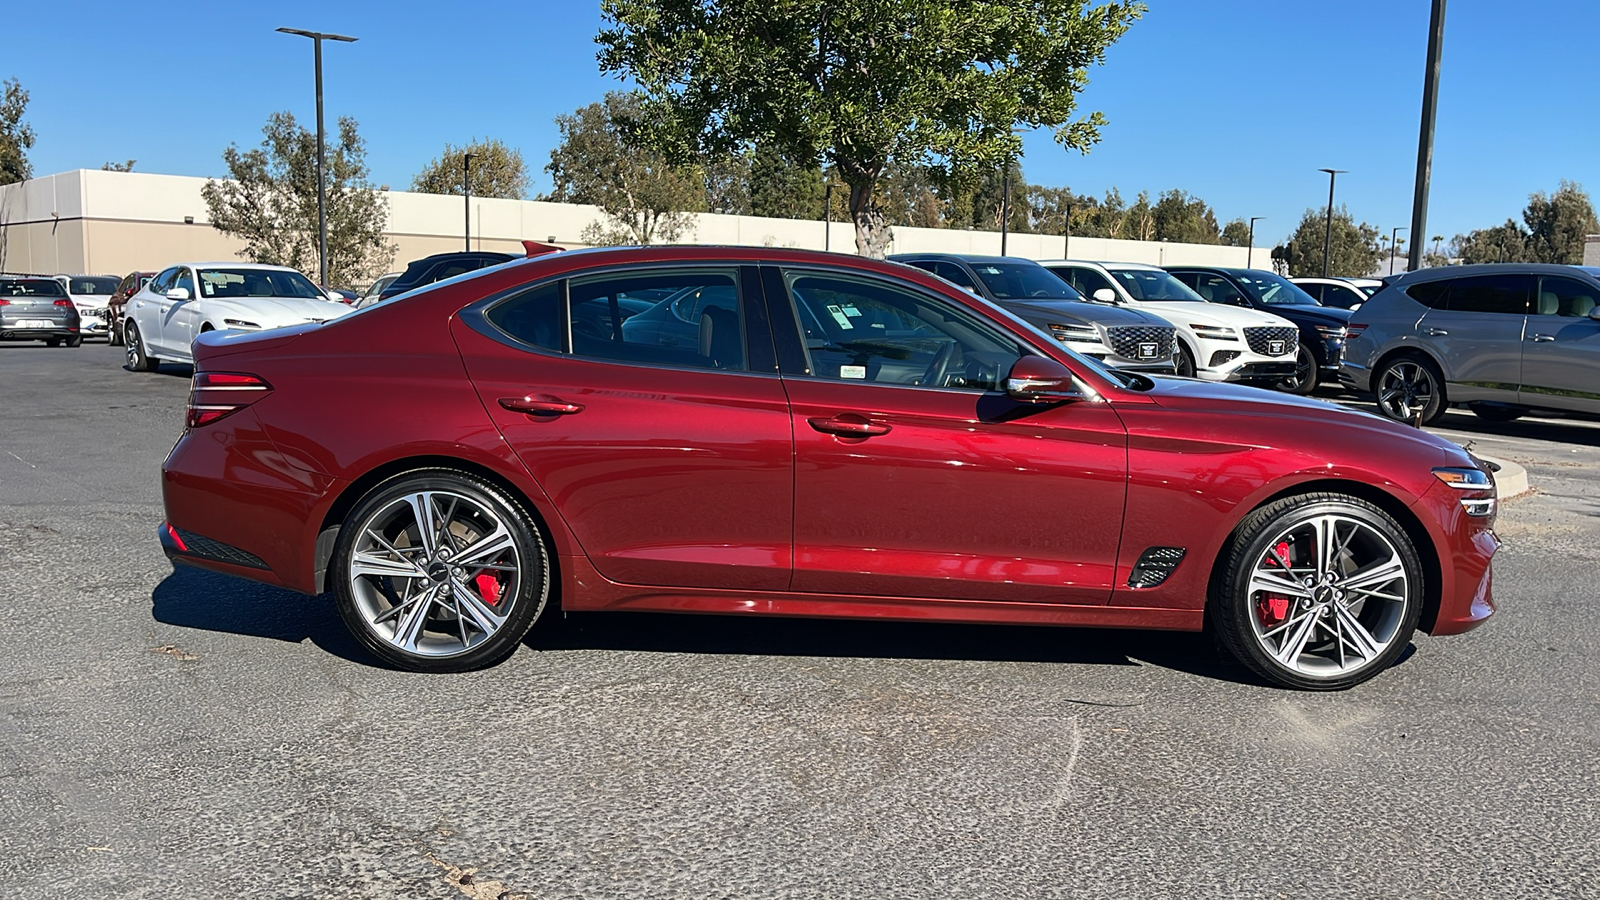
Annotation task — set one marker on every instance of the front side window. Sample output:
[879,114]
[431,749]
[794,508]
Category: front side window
[255,283]
[954,274]
[860,329]
[162,283]
[1023,281]
[1504,294]
[1567,297]
[1275,290]
[185,281]
[1155,285]
[1216,289]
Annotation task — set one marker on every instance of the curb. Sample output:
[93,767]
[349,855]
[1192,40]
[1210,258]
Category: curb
[1510,479]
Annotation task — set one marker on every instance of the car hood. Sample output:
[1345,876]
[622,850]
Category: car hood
[1222,399]
[1056,310]
[1192,313]
[275,312]
[1319,315]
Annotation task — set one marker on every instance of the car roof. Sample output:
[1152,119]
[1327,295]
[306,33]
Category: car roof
[965,257]
[233,265]
[1435,273]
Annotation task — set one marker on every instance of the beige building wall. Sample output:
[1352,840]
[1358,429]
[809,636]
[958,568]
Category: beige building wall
[112,223]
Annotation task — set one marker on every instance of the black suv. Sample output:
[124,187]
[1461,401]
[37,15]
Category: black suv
[1322,328]
[440,266]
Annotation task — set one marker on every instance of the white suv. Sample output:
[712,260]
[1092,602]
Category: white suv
[1214,341]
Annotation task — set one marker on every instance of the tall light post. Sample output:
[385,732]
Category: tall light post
[1430,106]
[1250,242]
[827,211]
[1066,231]
[1005,207]
[1394,244]
[1327,239]
[317,37]
[466,194]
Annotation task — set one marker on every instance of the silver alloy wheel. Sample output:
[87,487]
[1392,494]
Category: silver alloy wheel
[433,573]
[1406,390]
[133,339]
[1329,596]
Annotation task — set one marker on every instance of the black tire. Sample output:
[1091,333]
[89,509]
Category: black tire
[75,341]
[1184,363]
[52,342]
[364,607]
[1304,380]
[138,360]
[1492,413]
[1235,611]
[1411,376]
[114,336]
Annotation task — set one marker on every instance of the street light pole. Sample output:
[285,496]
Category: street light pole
[1327,240]
[827,212]
[1394,244]
[1430,106]
[317,37]
[1005,207]
[1250,243]
[466,193]
[1066,230]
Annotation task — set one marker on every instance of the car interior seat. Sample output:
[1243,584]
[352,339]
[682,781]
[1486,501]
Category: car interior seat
[1582,305]
[719,337]
[1549,304]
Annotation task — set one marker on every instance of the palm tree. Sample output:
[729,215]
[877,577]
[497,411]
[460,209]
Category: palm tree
[1436,240]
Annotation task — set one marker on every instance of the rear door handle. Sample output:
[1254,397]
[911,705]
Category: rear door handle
[1543,338]
[849,425]
[1435,332]
[535,406]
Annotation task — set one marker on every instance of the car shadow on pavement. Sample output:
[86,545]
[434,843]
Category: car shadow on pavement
[775,636]
[192,598]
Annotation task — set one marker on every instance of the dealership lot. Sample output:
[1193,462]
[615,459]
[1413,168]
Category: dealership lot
[166,732]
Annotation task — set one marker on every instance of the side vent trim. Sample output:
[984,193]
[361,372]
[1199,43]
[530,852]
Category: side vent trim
[1154,566]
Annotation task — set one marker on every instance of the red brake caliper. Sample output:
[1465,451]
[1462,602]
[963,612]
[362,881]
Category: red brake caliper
[488,588]
[1272,609]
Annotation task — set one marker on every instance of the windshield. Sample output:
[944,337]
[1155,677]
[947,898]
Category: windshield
[1147,284]
[1368,289]
[1274,290]
[93,284]
[1024,281]
[241,283]
[31,287]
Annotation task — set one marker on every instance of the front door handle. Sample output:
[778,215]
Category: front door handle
[1543,338]
[849,425]
[1435,332]
[536,406]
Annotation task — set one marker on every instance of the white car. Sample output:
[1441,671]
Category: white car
[186,300]
[1345,293]
[1215,342]
[90,294]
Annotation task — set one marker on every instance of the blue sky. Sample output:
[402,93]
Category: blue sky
[1238,101]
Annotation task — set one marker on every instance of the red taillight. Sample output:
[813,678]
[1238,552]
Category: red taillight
[63,303]
[214,395]
[1354,330]
[4,302]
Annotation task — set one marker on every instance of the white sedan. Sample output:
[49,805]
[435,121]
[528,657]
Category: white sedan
[186,300]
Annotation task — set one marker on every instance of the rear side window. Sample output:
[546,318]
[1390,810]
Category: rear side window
[1315,290]
[534,317]
[1429,293]
[1505,294]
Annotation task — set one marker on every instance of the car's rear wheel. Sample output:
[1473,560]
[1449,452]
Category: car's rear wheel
[114,336]
[1319,592]
[1491,413]
[74,341]
[438,571]
[52,342]
[1184,363]
[138,360]
[1304,379]
[1410,389]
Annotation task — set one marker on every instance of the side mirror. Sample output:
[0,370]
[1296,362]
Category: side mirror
[1594,313]
[1035,379]
[1105,295]
[178,293]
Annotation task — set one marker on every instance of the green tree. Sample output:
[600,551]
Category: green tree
[16,136]
[1501,243]
[727,182]
[497,171]
[1557,224]
[1049,207]
[271,203]
[1181,217]
[645,198]
[119,166]
[1236,233]
[864,86]
[782,187]
[1355,250]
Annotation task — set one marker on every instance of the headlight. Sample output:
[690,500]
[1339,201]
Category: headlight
[1075,333]
[239,323]
[1215,332]
[1476,487]
[1332,332]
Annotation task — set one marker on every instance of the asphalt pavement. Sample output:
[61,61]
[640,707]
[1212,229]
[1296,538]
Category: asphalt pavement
[179,734]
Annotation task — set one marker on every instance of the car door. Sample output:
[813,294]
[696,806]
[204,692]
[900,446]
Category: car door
[671,465]
[1477,335]
[183,316]
[915,474]
[1561,349]
[150,308]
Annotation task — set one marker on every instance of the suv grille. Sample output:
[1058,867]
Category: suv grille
[1134,341]
[1262,339]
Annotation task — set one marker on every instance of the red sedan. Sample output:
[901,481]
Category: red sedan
[754,430]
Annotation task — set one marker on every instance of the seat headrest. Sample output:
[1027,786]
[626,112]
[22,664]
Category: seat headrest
[1582,306]
[720,340]
[1549,304]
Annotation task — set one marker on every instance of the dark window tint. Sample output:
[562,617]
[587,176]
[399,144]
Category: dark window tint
[163,282]
[1340,296]
[534,317]
[1023,281]
[1087,281]
[1429,293]
[185,281]
[31,287]
[1566,297]
[864,330]
[1507,294]
[641,317]
[1216,289]
[1315,291]
[954,274]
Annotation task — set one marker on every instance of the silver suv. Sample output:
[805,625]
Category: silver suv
[1500,339]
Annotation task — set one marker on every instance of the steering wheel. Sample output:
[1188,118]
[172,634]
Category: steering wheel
[939,367]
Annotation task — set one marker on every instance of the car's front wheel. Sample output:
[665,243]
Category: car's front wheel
[138,360]
[1318,592]
[1411,390]
[114,336]
[1304,379]
[438,571]
[1184,362]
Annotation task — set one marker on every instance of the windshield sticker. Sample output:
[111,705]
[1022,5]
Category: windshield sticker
[851,311]
[852,371]
[840,317]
